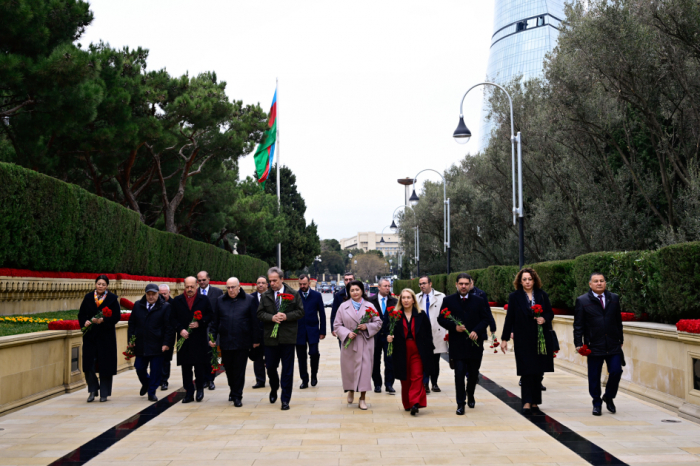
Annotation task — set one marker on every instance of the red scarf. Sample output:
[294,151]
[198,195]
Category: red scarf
[190,301]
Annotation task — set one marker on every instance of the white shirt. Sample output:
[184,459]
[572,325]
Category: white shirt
[600,296]
[204,291]
[277,293]
[259,297]
[466,296]
[432,298]
[386,302]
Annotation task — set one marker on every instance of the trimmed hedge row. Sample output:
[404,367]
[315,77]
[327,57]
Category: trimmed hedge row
[49,225]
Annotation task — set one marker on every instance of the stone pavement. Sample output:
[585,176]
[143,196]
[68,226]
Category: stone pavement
[321,429]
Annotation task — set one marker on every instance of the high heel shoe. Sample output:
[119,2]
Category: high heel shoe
[362,405]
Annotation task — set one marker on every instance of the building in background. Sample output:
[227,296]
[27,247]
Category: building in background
[370,241]
[524,31]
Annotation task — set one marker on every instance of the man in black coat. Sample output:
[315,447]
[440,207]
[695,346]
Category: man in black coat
[482,294]
[311,329]
[338,299]
[259,353]
[235,324]
[598,324]
[150,322]
[213,293]
[194,355]
[466,349]
[381,302]
[164,292]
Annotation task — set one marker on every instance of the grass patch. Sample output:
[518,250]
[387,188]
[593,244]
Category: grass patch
[16,328]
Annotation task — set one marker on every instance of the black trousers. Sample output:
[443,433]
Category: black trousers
[165,368]
[273,356]
[434,373]
[152,380]
[381,345]
[200,374]
[103,384]
[595,368]
[469,369]
[531,388]
[302,357]
[235,362]
[259,369]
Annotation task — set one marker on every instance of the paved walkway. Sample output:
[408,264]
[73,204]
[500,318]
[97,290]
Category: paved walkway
[321,429]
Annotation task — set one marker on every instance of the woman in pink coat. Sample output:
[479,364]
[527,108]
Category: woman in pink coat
[356,360]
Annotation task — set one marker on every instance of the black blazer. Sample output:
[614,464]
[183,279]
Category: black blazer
[600,329]
[235,322]
[196,349]
[213,294]
[338,299]
[391,301]
[153,330]
[521,321]
[475,315]
[100,343]
[424,341]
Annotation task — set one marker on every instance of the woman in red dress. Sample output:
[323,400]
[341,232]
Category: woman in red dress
[413,350]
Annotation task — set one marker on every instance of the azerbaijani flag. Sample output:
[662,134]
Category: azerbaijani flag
[265,154]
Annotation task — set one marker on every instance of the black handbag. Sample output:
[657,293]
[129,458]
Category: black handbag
[555,341]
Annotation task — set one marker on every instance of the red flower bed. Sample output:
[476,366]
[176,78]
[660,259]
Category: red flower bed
[560,311]
[630,317]
[493,303]
[64,325]
[126,304]
[688,325]
[125,316]
[505,307]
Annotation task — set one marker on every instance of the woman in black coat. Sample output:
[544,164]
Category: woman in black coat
[522,322]
[413,350]
[100,341]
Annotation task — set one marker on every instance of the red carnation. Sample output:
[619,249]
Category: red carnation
[505,308]
[584,351]
[107,312]
[198,315]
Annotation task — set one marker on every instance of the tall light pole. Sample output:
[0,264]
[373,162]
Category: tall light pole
[445,212]
[417,245]
[462,135]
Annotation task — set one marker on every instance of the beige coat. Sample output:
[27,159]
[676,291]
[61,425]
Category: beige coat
[357,359]
[438,332]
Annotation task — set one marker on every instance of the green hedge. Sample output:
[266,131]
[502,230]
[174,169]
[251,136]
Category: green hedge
[679,281]
[400,285]
[558,280]
[49,225]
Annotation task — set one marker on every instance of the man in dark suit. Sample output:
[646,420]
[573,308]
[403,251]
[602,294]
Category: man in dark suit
[280,348]
[466,340]
[164,292]
[338,299]
[311,329]
[598,324]
[482,294]
[212,293]
[259,361]
[381,302]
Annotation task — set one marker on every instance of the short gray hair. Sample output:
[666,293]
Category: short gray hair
[164,286]
[383,280]
[276,270]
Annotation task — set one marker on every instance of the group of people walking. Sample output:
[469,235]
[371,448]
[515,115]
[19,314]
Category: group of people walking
[408,334]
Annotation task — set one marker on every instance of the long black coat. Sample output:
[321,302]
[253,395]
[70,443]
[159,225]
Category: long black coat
[101,341]
[424,341]
[213,294]
[521,321]
[390,301]
[196,349]
[287,331]
[235,322]
[153,330]
[600,329]
[475,315]
[170,341]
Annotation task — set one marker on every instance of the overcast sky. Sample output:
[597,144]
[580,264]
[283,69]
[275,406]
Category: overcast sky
[369,91]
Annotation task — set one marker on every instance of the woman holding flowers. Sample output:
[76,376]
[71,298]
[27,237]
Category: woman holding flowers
[356,323]
[412,343]
[529,318]
[99,314]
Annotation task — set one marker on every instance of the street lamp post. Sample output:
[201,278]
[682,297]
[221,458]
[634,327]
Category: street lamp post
[394,228]
[316,261]
[462,135]
[445,212]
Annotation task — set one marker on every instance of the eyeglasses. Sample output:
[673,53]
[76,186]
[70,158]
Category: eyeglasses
[202,279]
[231,287]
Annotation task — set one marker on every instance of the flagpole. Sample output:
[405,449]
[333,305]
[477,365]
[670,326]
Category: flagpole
[277,140]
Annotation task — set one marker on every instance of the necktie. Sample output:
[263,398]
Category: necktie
[150,306]
[602,303]
[427,305]
[278,302]
[306,295]
[383,305]
[204,291]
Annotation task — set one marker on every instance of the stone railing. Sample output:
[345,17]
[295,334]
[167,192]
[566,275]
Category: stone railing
[663,365]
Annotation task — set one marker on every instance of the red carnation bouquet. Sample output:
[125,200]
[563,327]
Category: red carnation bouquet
[129,353]
[369,313]
[448,315]
[394,316]
[584,351]
[181,340]
[494,343]
[214,356]
[106,312]
[541,344]
[286,300]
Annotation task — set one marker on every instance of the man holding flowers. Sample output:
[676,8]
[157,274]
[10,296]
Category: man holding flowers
[280,308]
[381,302]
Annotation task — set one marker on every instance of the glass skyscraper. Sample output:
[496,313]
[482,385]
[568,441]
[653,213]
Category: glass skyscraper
[523,32]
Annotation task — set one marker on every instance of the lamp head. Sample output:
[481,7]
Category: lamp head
[381,241]
[414,199]
[393,226]
[462,133]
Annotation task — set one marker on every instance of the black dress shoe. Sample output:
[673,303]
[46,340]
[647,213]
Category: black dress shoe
[164,386]
[91,397]
[314,380]
[273,396]
[527,411]
[200,395]
[414,409]
[597,411]
[211,385]
[259,385]
[230,396]
[377,389]
[237,403]
[285,406]
[536,411]
[436,389]
[152,398]
[609,404]
[471,402]
[390,390]
[189,398]
[304,385]
[144,390]
[460,410]
[103,399]
[543,388]
[427,389]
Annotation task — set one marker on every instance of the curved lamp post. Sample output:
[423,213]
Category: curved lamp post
[394,228]
[462,135]
[445,212]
